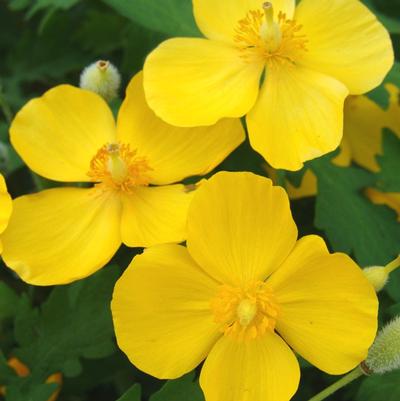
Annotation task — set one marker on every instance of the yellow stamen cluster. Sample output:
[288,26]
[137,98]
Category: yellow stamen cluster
[116,166]
[259,38]
[245,313]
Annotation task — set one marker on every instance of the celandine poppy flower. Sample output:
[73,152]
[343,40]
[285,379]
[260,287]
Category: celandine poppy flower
[313,56]
[241,295]
[69,134]
[5,208]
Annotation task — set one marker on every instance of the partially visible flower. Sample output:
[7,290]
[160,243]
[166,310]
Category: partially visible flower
[242,295]
[308,57]
[23,371]
[5,208]
[364,122]
[103,78]
[69,135]
[384,355]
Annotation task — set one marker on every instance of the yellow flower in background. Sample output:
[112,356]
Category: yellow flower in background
[309,57]
[242,295]
[69,135]
[5,208]
[23,371]
[364,122]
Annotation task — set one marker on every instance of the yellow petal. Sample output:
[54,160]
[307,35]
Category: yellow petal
[219,19]
[5,205]
[173,153]
[390,199]
[264,369]
[392,114]
[308,186]
[240,227]
[5,208]
[61,235]
[328,309]
[155,215]
[192,82]
[59,133]
[161,312]
[345,41]
[298,117]
[364,121]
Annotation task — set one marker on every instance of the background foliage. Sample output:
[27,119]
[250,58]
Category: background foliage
[68,329]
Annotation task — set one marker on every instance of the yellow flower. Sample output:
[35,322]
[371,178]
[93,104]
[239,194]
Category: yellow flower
[69,134]
[5,208]
[364,122]
[312,56]
[241,295]
[23,371]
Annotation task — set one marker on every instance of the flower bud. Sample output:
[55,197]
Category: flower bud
[384,355]
[102,78]
[378,276]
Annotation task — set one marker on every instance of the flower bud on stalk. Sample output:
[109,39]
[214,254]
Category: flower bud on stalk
[384,355]
[378,276]
[102,78]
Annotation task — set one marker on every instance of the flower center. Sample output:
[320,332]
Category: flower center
[245,313]
[260,38]
[116,166]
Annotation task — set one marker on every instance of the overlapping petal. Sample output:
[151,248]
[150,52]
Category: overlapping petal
[390,199]
[218,19]
[59,133]
[298,116]
[173,153]
[5,207]
[261,369]
[161,312]
[194,82]
[240,227]
[61,235]
[328,309]
[155,215]
[345,41]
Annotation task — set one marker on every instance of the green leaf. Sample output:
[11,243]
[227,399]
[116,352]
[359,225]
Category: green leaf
[8,301]
[172,17]
[73,322]
[380,387]
[133,394]
[182,389]
[389,175]
[351,222]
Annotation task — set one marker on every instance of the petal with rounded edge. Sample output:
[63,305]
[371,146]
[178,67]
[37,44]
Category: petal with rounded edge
[328,309]
[345,41]
[61,235]
[161,312]
[59,133]
[240,227]
[264,369]
[5,207]
[218,20]
[194,82]
[173,153]
[298,117]
[155,215]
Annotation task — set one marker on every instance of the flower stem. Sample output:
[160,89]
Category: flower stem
[344,381]
[392,266]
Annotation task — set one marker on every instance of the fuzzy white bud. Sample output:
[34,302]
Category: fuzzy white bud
[102,78]
[384,355]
